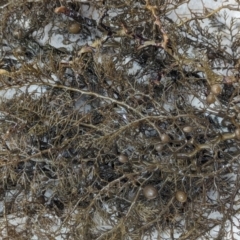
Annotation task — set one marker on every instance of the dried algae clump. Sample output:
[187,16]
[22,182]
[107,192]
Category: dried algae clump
[124,127]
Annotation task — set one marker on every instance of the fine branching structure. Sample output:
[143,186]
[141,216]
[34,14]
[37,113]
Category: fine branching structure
[119,120]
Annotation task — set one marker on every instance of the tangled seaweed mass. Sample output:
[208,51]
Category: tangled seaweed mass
[119,120]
